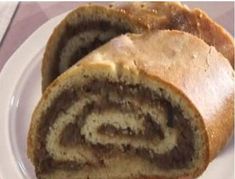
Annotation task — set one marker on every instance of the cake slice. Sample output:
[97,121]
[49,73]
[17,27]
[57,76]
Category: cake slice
[90,26]
[157,105]
[80,32]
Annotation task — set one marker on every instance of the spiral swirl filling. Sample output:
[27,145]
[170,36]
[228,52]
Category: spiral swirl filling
[87,125]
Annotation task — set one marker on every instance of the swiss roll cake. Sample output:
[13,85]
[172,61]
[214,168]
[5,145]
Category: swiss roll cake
[155,105]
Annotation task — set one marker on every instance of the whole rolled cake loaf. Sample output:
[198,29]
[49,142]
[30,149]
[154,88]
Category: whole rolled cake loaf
[90,26]
[157,105]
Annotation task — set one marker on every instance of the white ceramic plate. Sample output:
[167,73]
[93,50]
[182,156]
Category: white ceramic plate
[20,88]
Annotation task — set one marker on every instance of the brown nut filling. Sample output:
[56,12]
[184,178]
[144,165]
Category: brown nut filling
[179,157]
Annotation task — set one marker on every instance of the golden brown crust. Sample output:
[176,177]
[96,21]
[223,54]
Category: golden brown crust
[176,16]
[189,67]
[215,35]
[145,16]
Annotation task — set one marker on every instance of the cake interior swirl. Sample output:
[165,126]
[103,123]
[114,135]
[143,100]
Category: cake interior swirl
[118,120]
[82,38]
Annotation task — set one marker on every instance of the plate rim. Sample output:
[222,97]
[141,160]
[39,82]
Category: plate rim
[9,77]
